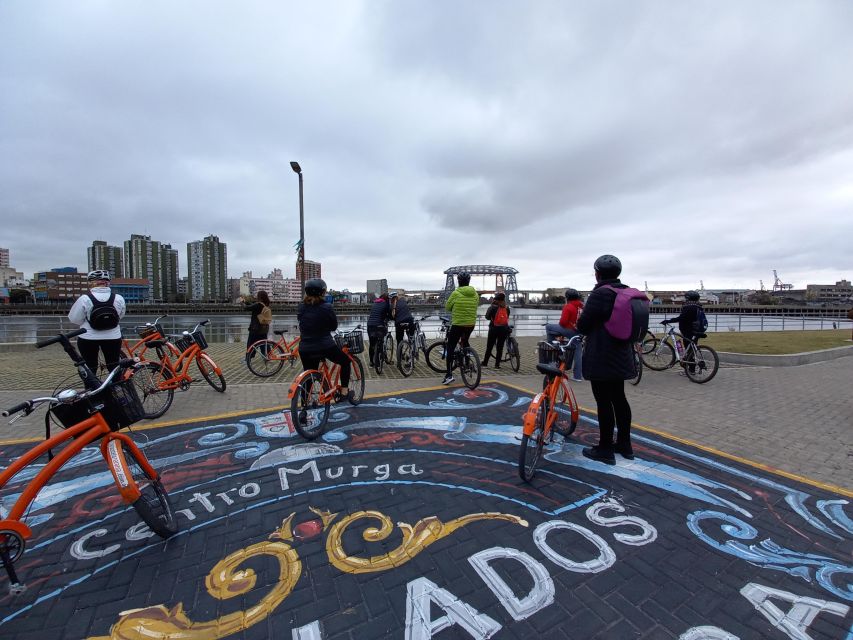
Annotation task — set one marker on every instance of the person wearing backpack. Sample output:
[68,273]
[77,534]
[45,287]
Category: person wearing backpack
[567,328]
[402,316]
[691,321]
[99,311]
[607,362]
[462,304]
[498,316]
[259,323]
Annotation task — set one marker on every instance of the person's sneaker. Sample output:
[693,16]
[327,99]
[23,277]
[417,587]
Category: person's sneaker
[303,417]
[624,450]
[596,453]
[448,379]
[497,365]
[577,379]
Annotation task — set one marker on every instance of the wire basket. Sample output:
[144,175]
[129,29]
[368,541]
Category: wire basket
[149,330]
[119,404]
[354,340]
[184,342]
[199,339]
[548,353]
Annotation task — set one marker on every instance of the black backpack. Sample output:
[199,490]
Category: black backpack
[103,315]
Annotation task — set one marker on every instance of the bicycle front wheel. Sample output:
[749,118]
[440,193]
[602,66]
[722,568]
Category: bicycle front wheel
[153,506]
[660,358]
[649,342]
[378,359]
[265,358]
[638,369]
[436,356]
[514,357]
[356,381]
[531,446]
[470,368]
[405,361]
[208,371]
[150,380]
[705,367]
[388,348]
[308,412]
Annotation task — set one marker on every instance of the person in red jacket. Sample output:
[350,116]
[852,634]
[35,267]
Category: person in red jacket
[568,328]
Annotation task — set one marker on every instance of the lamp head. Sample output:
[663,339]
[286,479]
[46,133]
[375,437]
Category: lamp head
[296,168]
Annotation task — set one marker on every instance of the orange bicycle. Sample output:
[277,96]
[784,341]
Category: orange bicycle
[265,358]
[543,416]
[99,412]
[157,381]
[147,332]
[312,392]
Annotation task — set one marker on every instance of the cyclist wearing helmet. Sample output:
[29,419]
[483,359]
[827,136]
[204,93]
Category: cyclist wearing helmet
[567,327]
[317,320]
[607,363]
[401,314]
[688,319]
[105,340]
[377,323]
[462,305]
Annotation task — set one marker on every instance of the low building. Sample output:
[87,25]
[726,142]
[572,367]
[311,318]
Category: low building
[839,293]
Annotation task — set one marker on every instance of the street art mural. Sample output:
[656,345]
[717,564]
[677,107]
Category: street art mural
[407,520]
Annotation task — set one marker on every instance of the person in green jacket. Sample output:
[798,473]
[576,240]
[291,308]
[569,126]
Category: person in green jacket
[462,305]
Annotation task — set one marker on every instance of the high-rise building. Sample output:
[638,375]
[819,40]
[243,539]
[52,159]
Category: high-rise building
[312,270]
[103,256]
[376,288]
[207,268]
[143,259]
[4,257]
[169,272]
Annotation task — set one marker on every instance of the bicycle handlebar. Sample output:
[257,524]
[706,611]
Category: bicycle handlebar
[60,338]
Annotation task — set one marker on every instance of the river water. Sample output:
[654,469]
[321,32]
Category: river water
[528,322]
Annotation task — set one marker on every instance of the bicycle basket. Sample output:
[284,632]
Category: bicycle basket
[199,339]
[548,353]
[184,342]
[354,340]
[119,405]
[149,330]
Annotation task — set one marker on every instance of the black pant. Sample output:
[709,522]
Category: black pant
[375,336]
[496,339]
[311,360]
[253,338]
[455,334]
[409,328]
[89,351]
[613,412]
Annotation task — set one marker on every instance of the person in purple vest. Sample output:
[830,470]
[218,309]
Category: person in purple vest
[607,363]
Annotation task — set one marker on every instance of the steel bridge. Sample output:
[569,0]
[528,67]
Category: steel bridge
[504,278]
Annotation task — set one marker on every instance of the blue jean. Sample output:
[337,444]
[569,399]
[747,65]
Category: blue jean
[554,330]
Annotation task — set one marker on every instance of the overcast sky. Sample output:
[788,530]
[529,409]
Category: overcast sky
[706,141]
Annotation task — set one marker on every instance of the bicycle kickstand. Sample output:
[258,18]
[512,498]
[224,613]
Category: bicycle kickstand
[15,587]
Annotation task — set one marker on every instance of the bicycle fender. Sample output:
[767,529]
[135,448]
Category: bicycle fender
[297,380]
[114,456]
[16,526]
[530,415]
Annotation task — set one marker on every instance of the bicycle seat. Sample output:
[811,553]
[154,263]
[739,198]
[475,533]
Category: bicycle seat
[700,335]
[280,333]
[550,370]
[445,319]
[153,344]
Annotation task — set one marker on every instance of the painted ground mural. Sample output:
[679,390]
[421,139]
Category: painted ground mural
[408,520]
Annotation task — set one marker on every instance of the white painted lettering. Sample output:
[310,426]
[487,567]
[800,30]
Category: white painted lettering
[356,468]
[796,621]
[649,533]
[78,548]
[139,531]
[310,465]
[706,633]
[202,499]
[225,497]
[383,471]
[605,559]
[186,512]
[337,473]
[310,631]
[409,469]
[249,490]
[540,596]
[419,626]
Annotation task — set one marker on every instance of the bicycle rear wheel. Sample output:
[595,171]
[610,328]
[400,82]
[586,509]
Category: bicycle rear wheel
[436,356]
[388,348]
[512,351]
[379,359]
[208,370]
[660,358]
[531,446]
[265,358]
[154,506]
[650,341]
[706,366]
[150,380]
[309,414]
[638,368]
[356,381]
[405,361]
[470,369]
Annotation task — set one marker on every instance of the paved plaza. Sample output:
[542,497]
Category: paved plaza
[408,518]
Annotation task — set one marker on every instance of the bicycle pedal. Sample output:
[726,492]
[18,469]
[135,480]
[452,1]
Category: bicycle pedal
[16,588]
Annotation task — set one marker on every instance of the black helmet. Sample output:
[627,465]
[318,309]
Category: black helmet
[608,266]
[692,295]
[315,287]
[572,294]
[464,279]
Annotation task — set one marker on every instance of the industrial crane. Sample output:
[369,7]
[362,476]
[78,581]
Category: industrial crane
[778,285]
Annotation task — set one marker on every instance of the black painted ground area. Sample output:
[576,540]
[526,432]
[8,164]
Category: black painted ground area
[408,520]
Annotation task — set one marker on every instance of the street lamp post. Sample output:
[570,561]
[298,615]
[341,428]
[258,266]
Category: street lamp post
[298,170]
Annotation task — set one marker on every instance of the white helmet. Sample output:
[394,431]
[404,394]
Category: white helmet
[98,274]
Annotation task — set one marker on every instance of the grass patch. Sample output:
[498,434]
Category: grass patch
[777,342]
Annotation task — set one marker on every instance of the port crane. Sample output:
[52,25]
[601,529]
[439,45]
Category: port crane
[778,285]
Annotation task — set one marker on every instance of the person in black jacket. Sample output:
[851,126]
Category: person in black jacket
[607,363]
[257,329]
[377,323]
[688,319]
[401,314]
[317,320]
[497,332]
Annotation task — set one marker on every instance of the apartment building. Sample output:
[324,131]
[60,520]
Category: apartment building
[207,268]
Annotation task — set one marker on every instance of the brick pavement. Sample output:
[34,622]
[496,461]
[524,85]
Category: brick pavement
[408,520]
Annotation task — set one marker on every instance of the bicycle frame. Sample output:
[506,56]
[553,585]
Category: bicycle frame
[331,374]
[291,349]
[677,342]
[550,392]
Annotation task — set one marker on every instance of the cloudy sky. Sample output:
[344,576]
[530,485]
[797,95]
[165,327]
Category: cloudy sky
[695,140]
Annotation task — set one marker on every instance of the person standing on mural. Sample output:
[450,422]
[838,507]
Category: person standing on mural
[607,363]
